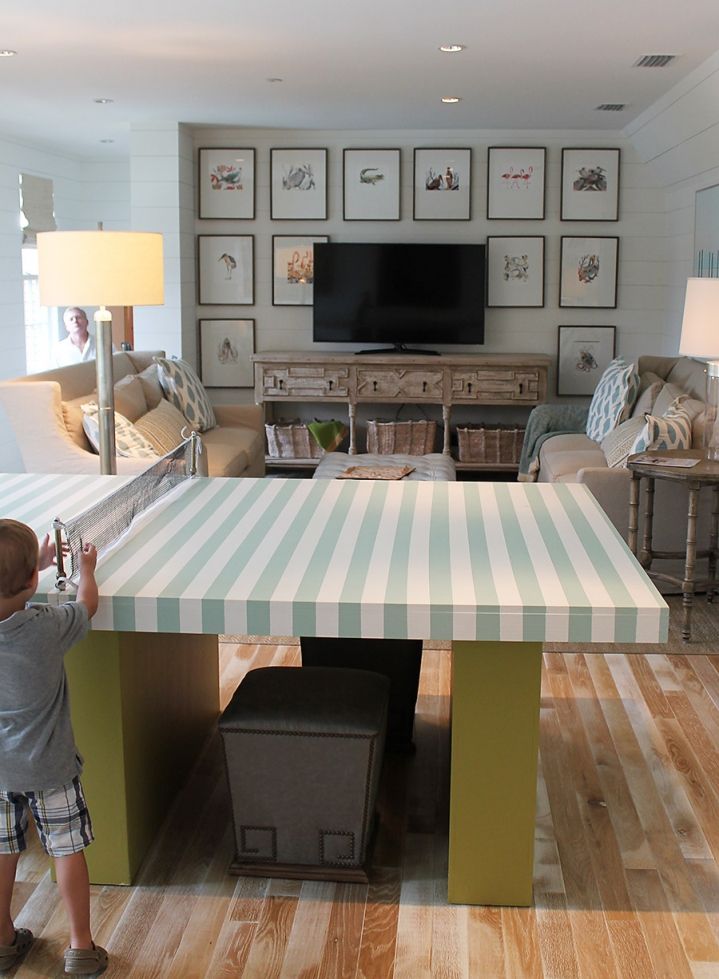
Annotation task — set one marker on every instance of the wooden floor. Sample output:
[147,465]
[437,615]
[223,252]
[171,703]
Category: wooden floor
[627,851]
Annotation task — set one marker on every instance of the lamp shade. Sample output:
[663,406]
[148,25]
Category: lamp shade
[100,268]
[700,326]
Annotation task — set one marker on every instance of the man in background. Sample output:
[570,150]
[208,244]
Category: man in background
[79,344]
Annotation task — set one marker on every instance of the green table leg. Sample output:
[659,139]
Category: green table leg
[495,739]
[142,706]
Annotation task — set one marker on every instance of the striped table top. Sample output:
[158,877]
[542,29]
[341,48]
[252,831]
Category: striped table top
[432,560]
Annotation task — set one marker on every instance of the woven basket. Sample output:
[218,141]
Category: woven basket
[500,445]
[415,438]
[291,440]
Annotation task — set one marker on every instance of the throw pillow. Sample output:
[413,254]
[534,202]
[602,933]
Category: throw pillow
[184,389]
[162,427]
[646,399]
[618,444]
[130,398]
[673,430]
[613,398]
[128,441]
[668,394]
[150,381]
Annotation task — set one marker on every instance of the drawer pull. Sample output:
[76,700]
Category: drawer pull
[280,384]
[521,387]
[469,388]
[330,385]
[374,385]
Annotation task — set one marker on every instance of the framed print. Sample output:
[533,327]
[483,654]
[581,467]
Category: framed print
[590,184]
[225,270]
[515,271]
[226,183]
[370,185]
[588,272]
[293,269]
[226,347]
[298,184]
[583,353]
[706,232]
[515,182]
[442,184]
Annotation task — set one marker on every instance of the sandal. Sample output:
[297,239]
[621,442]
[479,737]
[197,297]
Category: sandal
[85,961]
[9,954]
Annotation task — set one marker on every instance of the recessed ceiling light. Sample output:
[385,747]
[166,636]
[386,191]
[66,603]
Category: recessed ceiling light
[451,99]
[107,140]
[275,79]
[103,101]
[7,53]
[451,48]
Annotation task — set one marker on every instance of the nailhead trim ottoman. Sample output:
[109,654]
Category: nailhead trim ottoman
[434,465]
[303,751]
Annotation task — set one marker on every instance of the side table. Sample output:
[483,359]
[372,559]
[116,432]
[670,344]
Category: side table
[658,465]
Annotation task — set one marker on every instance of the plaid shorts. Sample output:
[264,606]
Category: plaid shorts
[60,815]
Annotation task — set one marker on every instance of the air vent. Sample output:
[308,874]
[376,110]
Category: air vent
[611,107]
[654,61]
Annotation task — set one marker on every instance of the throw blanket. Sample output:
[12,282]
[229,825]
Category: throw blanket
[543,422]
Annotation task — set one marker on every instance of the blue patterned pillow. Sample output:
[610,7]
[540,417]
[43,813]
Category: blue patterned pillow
[672,430]
[613,398]
[184,390]
[128,441]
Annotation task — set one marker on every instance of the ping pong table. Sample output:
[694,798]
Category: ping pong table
[497,568]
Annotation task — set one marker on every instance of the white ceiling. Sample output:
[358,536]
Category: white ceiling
[364,64]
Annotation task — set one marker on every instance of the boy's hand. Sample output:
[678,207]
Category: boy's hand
[47,553]
[88,558]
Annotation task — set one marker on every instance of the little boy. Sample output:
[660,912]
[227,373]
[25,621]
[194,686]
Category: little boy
[39,763]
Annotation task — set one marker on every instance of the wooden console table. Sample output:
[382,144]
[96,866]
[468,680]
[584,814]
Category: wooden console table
[446,380]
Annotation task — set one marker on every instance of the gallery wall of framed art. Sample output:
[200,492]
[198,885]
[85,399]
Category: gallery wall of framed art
[522,201]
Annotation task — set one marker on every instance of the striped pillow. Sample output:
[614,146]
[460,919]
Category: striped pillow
[613,398]
[163,427]
[672,430]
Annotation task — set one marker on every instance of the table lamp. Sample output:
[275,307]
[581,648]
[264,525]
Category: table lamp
[700,338]
[101,268]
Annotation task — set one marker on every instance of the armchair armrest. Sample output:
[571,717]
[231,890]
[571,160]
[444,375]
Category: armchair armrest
[249,416]
[610,487]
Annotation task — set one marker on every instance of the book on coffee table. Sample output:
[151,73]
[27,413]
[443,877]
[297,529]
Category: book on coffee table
[376,472]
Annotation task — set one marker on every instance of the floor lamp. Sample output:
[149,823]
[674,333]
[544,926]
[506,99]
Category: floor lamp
[101,268]
[700,338]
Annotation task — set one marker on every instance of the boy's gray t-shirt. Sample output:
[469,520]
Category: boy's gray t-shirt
[37,746]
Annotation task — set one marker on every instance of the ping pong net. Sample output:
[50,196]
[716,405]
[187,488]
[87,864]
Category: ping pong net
[104,522]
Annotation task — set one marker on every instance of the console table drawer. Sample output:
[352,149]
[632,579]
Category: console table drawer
[497,384]
[305,382]
[376,384]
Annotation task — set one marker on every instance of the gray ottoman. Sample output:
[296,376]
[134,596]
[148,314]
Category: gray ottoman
[435,465]
[303,749]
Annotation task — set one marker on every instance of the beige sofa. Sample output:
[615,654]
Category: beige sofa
[44,412]
[576,458]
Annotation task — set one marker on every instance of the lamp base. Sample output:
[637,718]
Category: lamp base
[711,426]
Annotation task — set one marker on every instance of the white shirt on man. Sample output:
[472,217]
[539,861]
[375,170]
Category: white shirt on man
[65,352]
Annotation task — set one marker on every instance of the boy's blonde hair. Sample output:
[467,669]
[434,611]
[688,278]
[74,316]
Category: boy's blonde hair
[18,557]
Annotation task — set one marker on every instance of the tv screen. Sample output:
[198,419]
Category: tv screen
[398,294]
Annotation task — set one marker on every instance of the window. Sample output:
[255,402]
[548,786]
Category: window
[41,322]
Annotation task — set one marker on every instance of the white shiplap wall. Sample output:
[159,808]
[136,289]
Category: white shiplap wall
[678,140]
[640,317]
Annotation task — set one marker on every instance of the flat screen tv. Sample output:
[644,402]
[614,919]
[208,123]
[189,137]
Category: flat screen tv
[398,294]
